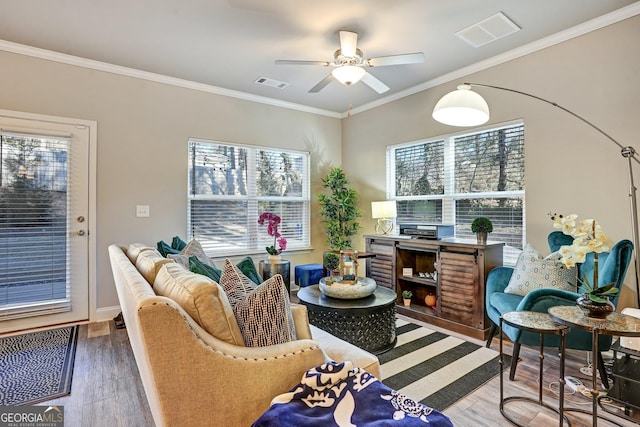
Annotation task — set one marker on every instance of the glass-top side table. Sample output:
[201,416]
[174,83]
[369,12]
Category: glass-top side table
[615,324]
[542,324]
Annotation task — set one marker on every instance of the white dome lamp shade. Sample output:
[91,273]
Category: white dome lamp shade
[348,74]
[462,107]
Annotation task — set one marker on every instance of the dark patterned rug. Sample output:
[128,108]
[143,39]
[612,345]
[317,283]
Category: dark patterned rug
[37,366]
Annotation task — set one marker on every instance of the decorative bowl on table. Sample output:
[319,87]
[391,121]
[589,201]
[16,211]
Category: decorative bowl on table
[363,287]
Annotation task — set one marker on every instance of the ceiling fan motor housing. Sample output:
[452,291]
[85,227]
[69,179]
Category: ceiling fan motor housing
[340,60]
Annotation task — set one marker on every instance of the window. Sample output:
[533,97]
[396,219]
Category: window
[33,225]
[454,179]
[230,185]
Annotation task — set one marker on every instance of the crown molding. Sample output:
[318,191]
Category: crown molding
[578,30]
[554,39]
[158,78]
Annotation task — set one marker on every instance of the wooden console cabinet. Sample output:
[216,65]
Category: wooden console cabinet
[454,270]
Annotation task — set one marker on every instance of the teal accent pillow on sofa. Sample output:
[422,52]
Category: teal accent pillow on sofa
[248,268]
[165,249]
[178,243]
[199,267]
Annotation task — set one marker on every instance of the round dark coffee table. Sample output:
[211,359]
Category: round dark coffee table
[369,323]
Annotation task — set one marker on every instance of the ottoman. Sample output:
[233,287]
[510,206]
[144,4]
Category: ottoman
[308,274]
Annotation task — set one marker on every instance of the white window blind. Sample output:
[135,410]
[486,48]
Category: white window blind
[34,254]
[231,185]
[455,179]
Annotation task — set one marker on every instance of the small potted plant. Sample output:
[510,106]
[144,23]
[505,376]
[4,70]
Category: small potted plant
[406,297]
[482,226]
[331,263]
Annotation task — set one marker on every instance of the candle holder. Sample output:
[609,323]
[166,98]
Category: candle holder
[349,266]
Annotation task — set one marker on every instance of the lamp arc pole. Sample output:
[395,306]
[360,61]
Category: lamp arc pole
[627,152]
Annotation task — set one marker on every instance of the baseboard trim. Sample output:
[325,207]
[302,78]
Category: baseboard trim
[106,313]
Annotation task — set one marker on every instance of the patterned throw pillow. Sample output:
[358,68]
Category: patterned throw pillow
[194,248]
[263,312]
[533,271]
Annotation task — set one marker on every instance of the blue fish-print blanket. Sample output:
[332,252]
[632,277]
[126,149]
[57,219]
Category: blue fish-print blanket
[337,394]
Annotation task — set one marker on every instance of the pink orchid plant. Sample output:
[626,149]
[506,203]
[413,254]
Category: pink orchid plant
[273,222]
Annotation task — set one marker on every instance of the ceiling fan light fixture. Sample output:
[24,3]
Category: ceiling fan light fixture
[348,74]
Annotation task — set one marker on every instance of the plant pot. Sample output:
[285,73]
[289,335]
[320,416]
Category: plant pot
[275,259]
[595,310]
[482,237]
[407,302]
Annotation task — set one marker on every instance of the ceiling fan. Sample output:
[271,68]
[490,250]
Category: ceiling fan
[349,64]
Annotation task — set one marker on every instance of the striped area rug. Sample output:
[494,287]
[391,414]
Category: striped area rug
[434,368]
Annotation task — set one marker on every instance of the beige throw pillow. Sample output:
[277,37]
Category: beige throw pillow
[533,271]
[149,263]
[263,312]
[134,250]
[202,298]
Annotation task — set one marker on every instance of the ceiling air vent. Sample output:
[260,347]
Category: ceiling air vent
[488,30]
[271,83]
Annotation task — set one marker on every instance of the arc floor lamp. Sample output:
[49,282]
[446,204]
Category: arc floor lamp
[464,107]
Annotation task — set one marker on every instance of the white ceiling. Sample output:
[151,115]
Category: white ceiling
[229,44]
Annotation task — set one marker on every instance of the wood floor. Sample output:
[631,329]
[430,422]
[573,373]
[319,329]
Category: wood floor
[107,390]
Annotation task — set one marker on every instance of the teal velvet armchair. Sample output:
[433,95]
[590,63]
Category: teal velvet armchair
[612,267]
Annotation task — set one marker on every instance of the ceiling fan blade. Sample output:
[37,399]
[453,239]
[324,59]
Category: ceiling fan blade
[294,62]
[317,88]
[374,83]
[406,58]
[348,41]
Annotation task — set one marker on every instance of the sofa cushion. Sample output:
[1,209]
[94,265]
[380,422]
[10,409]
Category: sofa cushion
[134,250]
[263,312]
[202,298]
[533,271]
[149,263]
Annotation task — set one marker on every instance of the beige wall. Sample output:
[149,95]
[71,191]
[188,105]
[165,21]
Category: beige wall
[570,168]
[143,129]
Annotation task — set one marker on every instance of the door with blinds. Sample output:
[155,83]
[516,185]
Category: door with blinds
[44,220]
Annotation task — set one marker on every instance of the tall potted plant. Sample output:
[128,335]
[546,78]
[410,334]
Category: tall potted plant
[339,209]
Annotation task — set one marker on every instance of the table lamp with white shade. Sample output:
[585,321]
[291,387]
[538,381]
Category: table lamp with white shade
[384,211]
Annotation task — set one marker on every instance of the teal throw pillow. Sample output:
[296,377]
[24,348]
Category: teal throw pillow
[178,243]
[165,249]
[248,268]
[199,267]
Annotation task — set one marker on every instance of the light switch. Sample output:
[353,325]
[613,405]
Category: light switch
[142,211]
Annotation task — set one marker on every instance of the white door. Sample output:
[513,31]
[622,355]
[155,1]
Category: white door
[44,220]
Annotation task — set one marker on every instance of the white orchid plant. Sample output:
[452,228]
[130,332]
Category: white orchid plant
[587,237]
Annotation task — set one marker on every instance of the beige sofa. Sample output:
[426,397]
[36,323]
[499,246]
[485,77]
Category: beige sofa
[192,378]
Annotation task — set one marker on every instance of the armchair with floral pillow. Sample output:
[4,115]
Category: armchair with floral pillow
[526,296]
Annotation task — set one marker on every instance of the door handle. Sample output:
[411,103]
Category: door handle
[80,232]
